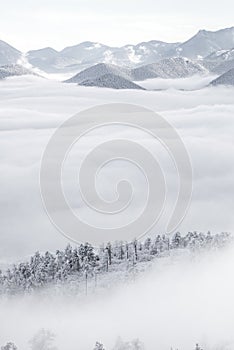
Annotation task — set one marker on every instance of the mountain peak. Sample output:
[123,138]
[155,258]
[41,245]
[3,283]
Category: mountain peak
[8,54]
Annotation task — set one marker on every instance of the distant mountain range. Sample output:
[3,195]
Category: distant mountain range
[93,63]
[221,56]
[200,46]
[218,46]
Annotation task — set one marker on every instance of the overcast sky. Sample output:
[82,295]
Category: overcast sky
[30,24]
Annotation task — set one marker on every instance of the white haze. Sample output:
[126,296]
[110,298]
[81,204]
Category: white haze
[110,22]
[191,83]
[178,303]
[30,110]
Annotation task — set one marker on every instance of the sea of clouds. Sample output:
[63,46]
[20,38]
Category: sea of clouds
[32,108]
[180,301]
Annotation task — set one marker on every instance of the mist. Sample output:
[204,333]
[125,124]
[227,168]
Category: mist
[30,110]
[180,301]
[190,83]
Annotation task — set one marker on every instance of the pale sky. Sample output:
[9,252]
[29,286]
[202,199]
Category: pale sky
[29,24]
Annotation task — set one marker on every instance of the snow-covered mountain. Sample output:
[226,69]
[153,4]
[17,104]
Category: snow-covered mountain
[223,67]
[111,81]
[221,55]
[14,70]
[83,53]
[142,53]
[204,51]
[86,54]
[42,58]
[70,58]
[8,54]
[209,65]
[99,70]
[225,79]
[105,75]
[121,77]
[178,67]
[205,43]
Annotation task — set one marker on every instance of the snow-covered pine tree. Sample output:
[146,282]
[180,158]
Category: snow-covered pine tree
[72,265]
[9,346]
[99,346]
[43,340]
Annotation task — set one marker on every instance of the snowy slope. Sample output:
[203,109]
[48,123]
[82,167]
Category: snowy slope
[83,53]
[111,81]
[99,70]
[71,58]
[14,70]
[205,43]
[223,67]
[142,53]
[179,67]
[210,65]
[168,68]
[221,55]
[8,54]
[103,266]
[214,46]
[42,58]
[88,53]
[225,79]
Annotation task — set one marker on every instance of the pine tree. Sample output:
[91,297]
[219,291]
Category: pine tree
[43,340]
[72,265]
[109,252]
[9,346]
[99,346]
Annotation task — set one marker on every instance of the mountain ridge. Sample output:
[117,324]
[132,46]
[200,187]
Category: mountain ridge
[121,77]
[111,81]
[225,79]
[8,53]
[207,50]
[85,54]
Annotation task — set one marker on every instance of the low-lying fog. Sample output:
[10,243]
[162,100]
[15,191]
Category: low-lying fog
[30,110]
[176,304]
[189,84]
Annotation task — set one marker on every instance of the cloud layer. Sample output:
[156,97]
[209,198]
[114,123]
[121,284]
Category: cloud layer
[179,302]
[31,109]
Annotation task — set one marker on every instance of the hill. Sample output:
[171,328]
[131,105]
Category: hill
[99,70]
[225,79]
[205,43]
[8,54]
[14,70]
[169,68]
[111,81]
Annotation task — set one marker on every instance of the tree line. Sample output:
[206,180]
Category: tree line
[44,340]
[84,261]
